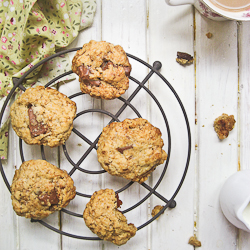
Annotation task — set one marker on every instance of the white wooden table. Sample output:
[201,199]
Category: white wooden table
[217,82]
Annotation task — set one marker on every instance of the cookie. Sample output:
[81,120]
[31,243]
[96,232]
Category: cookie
[223,125]
[103,218]
[39,188]
[131,149]
[43,116]
[103,69]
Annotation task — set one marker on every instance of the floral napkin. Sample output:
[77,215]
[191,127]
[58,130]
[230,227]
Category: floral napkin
[31,31]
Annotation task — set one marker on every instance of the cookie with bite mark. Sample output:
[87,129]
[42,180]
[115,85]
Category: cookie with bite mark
[103,218]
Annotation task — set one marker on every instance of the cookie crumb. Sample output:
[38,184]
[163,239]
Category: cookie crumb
[209,35]
[194,242]
[223,124]
[184,58]
[156,210]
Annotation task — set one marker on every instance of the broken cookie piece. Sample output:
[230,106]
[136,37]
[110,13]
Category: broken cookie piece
[156,210]
[223,124]
[194,242]
[103,218]
[184,58]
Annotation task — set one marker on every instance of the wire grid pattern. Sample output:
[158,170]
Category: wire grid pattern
[93,145]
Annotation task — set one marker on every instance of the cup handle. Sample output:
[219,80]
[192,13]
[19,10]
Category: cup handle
[179,2]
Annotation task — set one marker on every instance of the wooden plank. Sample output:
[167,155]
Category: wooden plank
[8,219]
[90,126]
[217,93]
[171,30]
[124,23]
[244,109]
[18,230]
[28,231]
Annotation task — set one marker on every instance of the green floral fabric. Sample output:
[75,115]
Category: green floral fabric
[31,31]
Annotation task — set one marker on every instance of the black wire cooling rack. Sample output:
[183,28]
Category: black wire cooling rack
[93,145]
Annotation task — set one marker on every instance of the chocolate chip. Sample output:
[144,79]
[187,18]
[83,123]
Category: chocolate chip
[92,83]
[105,65]
[119,202]
[127,70]
[49,198]
[124,148]
[83,72]
[36,128]
[186,56]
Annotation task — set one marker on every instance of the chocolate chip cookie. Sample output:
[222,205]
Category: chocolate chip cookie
[43,116]
[39,188]
[103,69]
[103,218]
[131,149]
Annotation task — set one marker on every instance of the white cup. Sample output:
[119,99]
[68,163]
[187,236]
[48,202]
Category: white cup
[211,11]
[235,199]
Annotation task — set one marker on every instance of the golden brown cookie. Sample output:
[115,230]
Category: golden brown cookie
[39,188]
[104,219]
[43,116]
[223,124]
[131,149]
[103,69]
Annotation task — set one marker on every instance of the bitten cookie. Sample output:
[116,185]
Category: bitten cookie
[103,69]
[131,149]
[39,188]
[102,218]
[43,116]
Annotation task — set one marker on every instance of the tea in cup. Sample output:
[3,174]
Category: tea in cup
[232,5]
[219,10]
